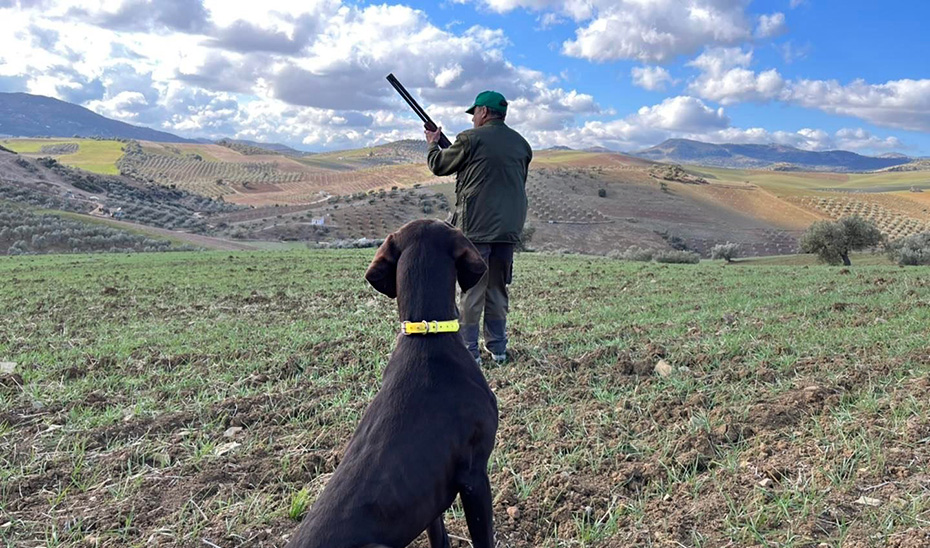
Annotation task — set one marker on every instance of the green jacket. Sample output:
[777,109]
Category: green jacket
[490,165]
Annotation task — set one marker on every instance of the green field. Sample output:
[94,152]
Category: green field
[92,155]
[807,259]
[795,414]
[795,183]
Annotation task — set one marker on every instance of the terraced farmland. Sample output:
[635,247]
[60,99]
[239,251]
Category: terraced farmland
[259,181]
[370,215]
[755,243]
[579,201]
[206,177]
[893,224]
[315,186]
[551,200]
[598,209]
[800,183]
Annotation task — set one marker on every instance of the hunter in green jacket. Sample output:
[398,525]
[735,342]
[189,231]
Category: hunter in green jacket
[490,163]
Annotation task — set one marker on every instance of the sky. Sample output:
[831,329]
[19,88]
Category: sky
[623,74]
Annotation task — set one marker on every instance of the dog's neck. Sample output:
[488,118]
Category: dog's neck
[426,294]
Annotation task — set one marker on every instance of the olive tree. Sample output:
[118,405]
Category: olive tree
[727,251]
[832,241]
[913,250]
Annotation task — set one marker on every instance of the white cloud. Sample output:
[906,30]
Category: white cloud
[576,9]
[791,52]
[771,25]
[689,118]
[657,31]
[650,31]
[725,79]
[448,75]
[903,104]
[683,114]
[324,60]
[161,16]
[549,20]
[313,72]
[719,60]
[674,117]
[125,105]
[651,78]
[556,109]
[804,139]
[796,3]
[857,139]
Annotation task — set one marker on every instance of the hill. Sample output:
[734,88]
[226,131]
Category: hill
[588,202]
[254,147]
[25,115]
[919,164]
[94,155]
[116,201]
[780,157]
[202,399]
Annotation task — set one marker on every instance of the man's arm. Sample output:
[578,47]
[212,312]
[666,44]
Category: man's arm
[446,162]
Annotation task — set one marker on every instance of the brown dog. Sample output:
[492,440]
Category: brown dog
[428,434]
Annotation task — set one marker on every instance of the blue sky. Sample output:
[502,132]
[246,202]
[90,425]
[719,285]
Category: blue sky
[626,74]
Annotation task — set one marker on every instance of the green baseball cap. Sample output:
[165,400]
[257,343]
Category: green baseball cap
[490,99]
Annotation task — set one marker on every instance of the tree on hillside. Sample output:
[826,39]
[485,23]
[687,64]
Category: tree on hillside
[832,241]
[727,251]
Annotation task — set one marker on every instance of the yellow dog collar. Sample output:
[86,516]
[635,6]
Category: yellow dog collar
[425,327]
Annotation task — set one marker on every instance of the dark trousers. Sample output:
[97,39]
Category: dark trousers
[489,296]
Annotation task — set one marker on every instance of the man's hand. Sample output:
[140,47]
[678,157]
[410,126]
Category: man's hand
[433,136]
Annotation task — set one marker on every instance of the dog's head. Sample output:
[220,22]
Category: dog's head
[435,245]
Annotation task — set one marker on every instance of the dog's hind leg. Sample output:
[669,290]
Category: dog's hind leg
[479,513]
[436,532]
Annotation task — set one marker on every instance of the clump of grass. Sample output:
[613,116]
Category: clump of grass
[300,502]
[633,253]
[677,257]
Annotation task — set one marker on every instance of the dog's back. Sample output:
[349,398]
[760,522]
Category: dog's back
[427,433]
[432,417]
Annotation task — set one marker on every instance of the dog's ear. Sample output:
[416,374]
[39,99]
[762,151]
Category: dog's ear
[382,272]
[469,265]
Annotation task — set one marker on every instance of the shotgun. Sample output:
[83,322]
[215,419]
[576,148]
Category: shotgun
[427,121]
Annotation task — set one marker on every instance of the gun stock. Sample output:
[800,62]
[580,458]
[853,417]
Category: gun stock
[428,123]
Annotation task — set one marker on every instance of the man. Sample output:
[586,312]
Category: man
[490,163]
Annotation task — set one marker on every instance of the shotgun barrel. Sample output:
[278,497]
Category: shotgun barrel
[427,121]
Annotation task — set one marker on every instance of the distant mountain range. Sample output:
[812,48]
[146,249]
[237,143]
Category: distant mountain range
[777,157]
[25,115]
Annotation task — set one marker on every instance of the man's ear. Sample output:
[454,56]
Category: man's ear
[382,272]
[469,265]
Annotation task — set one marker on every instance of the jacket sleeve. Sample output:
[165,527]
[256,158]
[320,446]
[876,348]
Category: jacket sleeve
[448,161]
